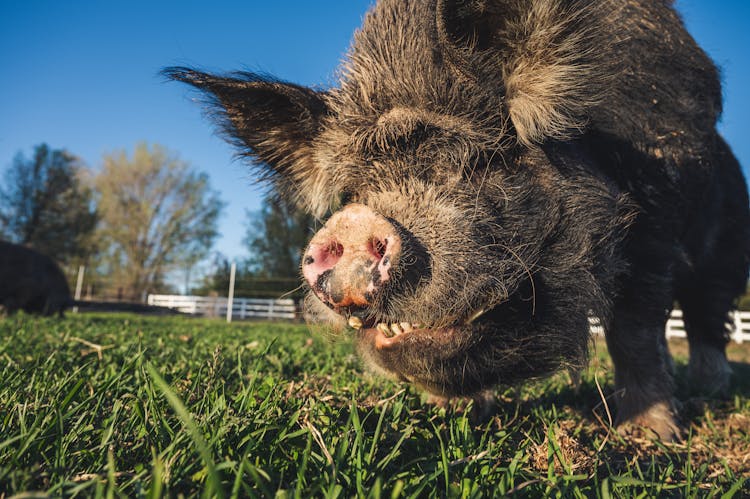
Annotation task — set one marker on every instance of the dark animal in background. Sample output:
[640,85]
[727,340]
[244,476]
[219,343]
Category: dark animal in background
[31,281]
[496,172]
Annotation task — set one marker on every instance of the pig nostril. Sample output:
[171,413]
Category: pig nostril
[377,247]
[335,249]
[325,256]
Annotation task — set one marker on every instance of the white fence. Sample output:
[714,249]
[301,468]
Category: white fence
[740,330]
[242,308]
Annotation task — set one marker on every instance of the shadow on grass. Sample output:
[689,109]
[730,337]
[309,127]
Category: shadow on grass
[586,400]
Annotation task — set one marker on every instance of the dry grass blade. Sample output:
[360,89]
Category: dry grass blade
[94,347]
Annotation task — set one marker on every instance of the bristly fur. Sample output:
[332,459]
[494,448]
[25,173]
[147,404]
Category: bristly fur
[539,159]
[558,74]
[557,62]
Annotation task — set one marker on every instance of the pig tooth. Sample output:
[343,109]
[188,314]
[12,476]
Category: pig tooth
[406,327]
[383,328]
[355,322]
[474,316]
[416,325]
[396,329]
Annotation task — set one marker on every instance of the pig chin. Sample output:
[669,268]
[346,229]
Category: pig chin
[461,359]
[457,357]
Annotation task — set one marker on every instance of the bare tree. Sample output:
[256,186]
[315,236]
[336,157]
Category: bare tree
[157,213]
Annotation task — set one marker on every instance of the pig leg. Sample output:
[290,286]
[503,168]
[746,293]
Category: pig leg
[705,307]
[707,295]
[643,377]
[718,275]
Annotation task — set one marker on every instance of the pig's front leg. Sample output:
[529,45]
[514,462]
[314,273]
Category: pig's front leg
[643,367]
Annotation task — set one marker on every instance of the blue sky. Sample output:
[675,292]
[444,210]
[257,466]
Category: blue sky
[82,75]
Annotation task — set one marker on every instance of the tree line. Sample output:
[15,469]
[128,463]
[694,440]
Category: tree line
[139,220]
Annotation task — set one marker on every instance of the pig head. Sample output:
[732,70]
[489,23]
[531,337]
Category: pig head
[492,174]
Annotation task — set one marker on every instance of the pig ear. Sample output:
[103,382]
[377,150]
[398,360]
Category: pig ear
[268,120]
[462,29]
[551,57]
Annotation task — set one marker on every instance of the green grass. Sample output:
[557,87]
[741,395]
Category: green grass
[129,406]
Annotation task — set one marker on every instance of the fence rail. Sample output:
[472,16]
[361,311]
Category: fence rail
[242,308]
[739,330]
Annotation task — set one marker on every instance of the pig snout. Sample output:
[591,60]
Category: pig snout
[348,261]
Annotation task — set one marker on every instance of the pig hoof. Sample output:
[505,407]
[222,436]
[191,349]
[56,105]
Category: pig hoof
[485,407]
[709,371]
[658,421]
[438,401]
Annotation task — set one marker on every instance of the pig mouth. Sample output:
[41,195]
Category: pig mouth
[384,336]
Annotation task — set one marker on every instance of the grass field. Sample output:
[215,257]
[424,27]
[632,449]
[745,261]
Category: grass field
[129,406]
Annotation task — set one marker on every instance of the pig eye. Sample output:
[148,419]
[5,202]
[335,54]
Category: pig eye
[340,200]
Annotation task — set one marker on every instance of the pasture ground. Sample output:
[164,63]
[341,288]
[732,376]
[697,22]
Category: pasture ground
[129,406]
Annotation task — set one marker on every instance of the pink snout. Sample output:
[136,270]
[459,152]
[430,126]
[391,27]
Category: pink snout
[350,259]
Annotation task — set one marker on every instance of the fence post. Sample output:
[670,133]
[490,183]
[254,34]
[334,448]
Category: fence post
[737,333]
[231,291]
[79,286]
[668,329]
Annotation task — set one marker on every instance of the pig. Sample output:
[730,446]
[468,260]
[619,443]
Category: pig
[494,173]
[32,282]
